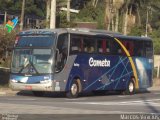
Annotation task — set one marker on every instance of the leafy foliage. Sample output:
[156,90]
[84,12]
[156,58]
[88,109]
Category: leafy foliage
[6,42]
[32,7]
[137,31]
[91,14]
[35,7]
[156,41]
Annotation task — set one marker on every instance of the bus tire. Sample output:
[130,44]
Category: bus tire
[38,93]
[73,90]
[130,90]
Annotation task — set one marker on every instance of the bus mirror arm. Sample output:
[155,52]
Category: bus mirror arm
[56,56]
[57,51]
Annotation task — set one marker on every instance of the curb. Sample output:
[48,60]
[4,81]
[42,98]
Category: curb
[2,93]
[7,91]
[154,88]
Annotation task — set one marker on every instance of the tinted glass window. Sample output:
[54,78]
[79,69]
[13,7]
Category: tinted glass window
[35,41]
[103,46]
[129,47]
[138,48]
[76,44]
[85,44]
[89,45]
[61,55]
[100,46]
[148,49]
[116,48]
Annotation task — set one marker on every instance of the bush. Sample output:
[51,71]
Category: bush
[6,42]
[137,31]
[4,77]
[156,41]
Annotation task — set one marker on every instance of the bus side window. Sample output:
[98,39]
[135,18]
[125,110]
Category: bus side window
[100,46]
[148,49]
[62,52]
[138,49]
[108,46]
[104,46]
[116,48]
[76,45]
[89,45]
[129,46]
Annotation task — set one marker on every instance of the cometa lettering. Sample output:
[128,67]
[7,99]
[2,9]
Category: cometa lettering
[99,63]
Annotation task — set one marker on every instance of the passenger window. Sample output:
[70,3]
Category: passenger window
[89,45]
[100,46]
[148,49]
[75,45]
[138,49]
[104,46]
[108,46]
[129,46]
[116,48]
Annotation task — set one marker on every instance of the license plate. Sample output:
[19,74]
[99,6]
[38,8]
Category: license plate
[28,87]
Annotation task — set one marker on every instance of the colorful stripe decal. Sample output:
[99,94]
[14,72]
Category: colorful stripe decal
[131,61]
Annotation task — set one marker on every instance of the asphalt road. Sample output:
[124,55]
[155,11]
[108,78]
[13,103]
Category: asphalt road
[87,106]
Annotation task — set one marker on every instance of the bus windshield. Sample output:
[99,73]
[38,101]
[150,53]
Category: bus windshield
[32,61]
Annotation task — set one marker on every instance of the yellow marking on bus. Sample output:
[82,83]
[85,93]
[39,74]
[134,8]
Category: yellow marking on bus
[131,61]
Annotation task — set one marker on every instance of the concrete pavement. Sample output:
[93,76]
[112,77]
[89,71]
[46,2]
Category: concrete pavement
[8,92]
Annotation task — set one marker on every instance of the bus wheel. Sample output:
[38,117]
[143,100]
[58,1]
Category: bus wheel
[38,93]
[130,88]
[73,90]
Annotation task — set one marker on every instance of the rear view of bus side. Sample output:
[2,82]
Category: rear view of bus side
[81,60]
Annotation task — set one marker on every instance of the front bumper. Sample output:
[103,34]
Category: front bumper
[31,87]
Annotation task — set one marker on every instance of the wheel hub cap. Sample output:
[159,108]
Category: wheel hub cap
[131,87]
[74,89]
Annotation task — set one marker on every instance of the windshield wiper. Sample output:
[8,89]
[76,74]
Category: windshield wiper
[25,66]
[34,67]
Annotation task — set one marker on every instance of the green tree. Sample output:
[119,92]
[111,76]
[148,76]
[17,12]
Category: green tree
[156,41]
[7,41]
[33,7]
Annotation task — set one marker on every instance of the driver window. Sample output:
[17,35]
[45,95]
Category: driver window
[62,48]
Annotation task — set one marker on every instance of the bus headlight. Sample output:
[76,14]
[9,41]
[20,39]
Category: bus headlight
[15,81]
[45,81]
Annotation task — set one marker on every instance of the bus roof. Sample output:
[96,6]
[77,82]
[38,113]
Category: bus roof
[69,30]
[124,37]
[82,31]
[42,32]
